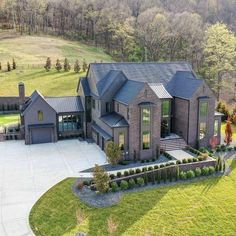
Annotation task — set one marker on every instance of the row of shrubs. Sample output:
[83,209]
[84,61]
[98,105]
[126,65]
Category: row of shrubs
[138,170]
[139,182]
[9,107]
[190,160]
[224,148]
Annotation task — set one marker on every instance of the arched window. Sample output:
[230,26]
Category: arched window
[40,115]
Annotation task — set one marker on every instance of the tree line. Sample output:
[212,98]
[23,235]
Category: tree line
[137,30]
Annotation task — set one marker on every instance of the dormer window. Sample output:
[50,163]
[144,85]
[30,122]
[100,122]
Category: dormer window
[40,116]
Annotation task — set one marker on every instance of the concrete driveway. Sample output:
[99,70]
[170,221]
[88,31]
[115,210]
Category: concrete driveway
[26,172]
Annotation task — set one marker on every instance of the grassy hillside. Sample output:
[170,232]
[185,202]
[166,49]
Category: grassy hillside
[30,54]
[201,207]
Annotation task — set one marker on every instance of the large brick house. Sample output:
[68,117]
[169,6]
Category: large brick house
[141,106]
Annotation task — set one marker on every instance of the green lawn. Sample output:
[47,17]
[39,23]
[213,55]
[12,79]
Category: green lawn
[9,119]
[30,54]
[205,207]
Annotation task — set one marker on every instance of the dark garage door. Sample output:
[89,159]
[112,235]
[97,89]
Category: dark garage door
[43,135]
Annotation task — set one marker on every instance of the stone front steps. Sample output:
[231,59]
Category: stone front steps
[173,144]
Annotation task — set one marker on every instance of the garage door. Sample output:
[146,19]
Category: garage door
[43,135]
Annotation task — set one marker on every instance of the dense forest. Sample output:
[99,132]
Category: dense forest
[138,30]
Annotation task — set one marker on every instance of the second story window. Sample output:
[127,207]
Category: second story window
[146,116]
[165,107]
[40,116]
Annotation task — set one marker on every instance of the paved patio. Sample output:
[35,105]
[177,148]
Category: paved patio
[26,172]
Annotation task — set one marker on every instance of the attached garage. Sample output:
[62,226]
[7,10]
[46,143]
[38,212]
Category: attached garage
[42,134]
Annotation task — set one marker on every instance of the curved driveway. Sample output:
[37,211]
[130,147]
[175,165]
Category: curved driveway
[26,172]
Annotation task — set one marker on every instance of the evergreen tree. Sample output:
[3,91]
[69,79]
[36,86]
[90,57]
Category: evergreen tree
[113,153]
[58,66]
[13,64]
[66,65]
[77,67]
[101,179]
[85,66]
[8,66]
[48,64]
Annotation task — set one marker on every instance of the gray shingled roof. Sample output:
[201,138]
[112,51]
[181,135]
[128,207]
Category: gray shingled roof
[183,85]
[85,86]
[114,120]
[102,132]
[65,104]
[150,72]
[159,90]
[128,91]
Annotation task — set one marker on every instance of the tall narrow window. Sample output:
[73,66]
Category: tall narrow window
[165,108]
[203,110]
[146,115]
[117,107]
[146,137]
[40,115]
[122,140]
[93,103]
[216,127]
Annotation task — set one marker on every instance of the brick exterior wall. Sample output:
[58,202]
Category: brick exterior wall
[135,124]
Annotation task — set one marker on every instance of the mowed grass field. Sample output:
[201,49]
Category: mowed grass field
[30,54]
[9,119]
[205,207]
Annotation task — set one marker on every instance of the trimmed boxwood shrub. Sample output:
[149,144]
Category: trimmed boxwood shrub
[198,172]
[172,163]
[126,173]
[144,169]
[190,174]
[114,187]
[131,183]
[131,172]
[195,159]
[229,149]
[161,166]
[183,175]
[150,168]
[147,161]
[190,160]
[178,162]
[137,171]
[153,159]
[184,161]
[205,170]
[200,158]
[156,167]
[124,185]
[142,161]
[140,181]
[234,148]
[112,176]
[86,183]
[211,170]
[118,174]
[167,164]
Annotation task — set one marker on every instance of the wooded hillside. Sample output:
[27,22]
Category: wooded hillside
[137,30]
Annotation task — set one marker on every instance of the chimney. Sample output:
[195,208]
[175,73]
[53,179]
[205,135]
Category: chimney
[21,87]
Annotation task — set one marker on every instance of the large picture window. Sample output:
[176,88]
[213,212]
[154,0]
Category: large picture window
[146,116]
[121,140]
[146,137]
[69,123]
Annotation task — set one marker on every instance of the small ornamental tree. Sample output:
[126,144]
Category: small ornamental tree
[66,65]
[48,64]
[58,66]
[113,153]
[13,64]
[85,66]
[101,179]
[228,132]
[8,66]
[77,67]
[214,141]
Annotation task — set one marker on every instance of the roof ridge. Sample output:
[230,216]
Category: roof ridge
[146,62]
